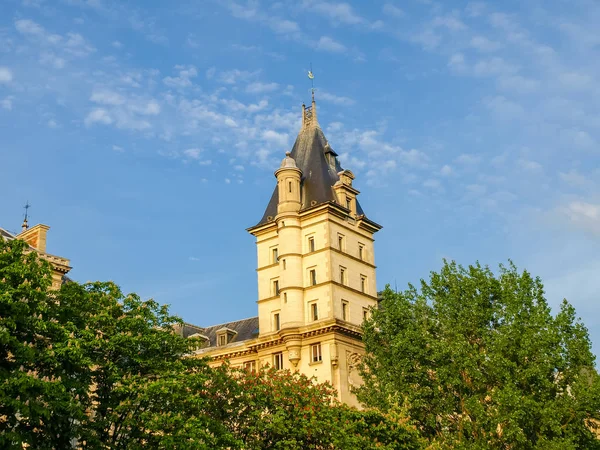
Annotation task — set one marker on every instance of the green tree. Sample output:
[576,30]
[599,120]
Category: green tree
[478,361]
[35,405]
[281,410]
[90,365]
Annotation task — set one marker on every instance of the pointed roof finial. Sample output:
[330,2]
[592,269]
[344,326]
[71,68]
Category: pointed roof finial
[312,82]
[25,225]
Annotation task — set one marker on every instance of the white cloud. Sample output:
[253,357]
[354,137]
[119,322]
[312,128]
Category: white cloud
[483,44]
[468,159]
[493,66]
[427,38]
[193,153]
[77,45]
[235,75]
[327,44]
[186,73]
[116,44]
[6,75]
[50,59]
[275,138]
[432,183]
[576,179]
[446,170]
[338,12]
[392,10]
[261,88]
[107,97]
[504,108]
[529,165]
[335,99]
[27,26]
[450,22]
[98,115]
[414,157]
[117,148]
[584,215]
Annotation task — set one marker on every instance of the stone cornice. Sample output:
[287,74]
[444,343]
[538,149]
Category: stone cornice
[253,346]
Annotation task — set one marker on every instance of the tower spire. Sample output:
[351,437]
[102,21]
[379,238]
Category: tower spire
[312,83]
[25,225]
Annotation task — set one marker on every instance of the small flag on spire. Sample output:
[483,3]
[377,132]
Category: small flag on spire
[310,75]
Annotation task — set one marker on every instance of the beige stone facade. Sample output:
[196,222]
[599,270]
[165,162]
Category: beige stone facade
[36,238]
[316,272]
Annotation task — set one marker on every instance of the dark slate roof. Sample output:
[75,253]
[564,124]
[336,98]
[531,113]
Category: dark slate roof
[318,173]
[245,329]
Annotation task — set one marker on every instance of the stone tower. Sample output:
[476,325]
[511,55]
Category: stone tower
[316,266]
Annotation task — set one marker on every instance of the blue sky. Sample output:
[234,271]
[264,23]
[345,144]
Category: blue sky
[146,135]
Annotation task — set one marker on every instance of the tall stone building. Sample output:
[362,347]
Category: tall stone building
[35,237]
[316,272]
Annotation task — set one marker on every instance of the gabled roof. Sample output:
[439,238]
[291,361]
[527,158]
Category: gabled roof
[320,167]
[244,329]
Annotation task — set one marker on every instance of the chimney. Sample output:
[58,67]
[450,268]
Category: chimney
[35,236]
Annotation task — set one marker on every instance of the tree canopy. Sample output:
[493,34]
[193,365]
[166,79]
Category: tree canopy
[478,361]
[91,367]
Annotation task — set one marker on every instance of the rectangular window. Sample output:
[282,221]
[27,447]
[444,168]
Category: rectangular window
[275,287]
[361,251]
[344,310]
[284,264]
[348,203]
[250,366]
[341,242]
[289,186]
[363,283]
[365,313]
[285,297]
[342,275]
[276,323]
[222,340]
[274,255]
[314,311]
[315,353]
[278,360]
[313,277]
[311,244]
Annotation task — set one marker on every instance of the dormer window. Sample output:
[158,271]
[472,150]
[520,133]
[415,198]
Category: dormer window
[348,203]
[225,336]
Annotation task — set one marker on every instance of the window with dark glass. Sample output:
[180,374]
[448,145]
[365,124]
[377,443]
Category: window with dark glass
[278,360]
[315,353]
[314,311]
[311,244]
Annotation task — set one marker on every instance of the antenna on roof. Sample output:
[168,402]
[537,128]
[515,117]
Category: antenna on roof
[312,82]
[25,225]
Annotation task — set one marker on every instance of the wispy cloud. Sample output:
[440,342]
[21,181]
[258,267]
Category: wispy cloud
[6,75]
[327,44]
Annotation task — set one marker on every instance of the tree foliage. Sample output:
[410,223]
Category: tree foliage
[92,367]
[479,362]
